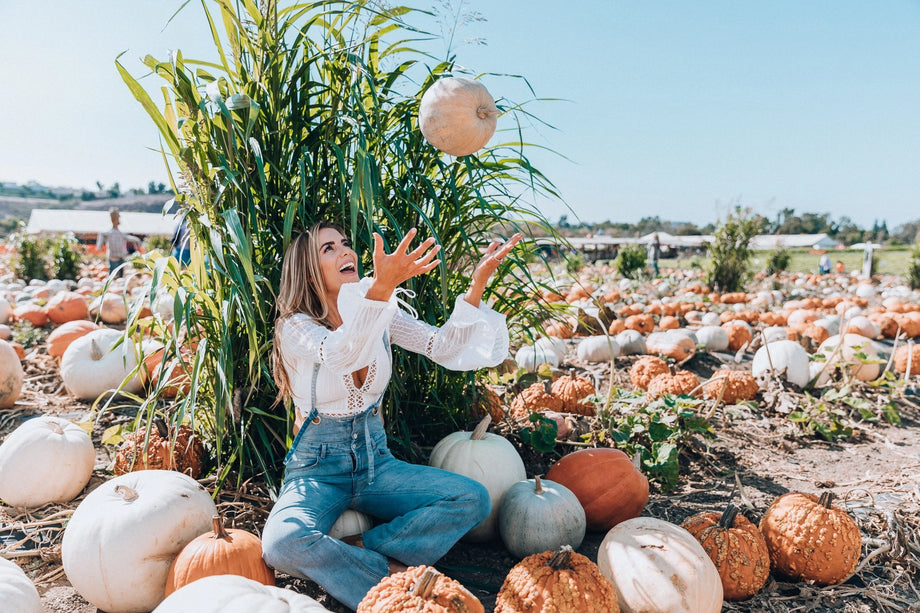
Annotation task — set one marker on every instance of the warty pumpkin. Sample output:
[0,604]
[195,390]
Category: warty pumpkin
[645,369]
[223,551]
[682,382]
[606,482]
[562,581]
[732,386]
[736,547]
[11,376]
[419,588]
[574,392]
[487,458]
[811,540]
[457,115]
[907,359]
[535,398]
[183,452]
[537,515]
[658,567]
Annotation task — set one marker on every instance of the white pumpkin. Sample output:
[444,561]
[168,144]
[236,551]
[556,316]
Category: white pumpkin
[631,342]
[90,366]
[46,459]
[6,333]
[351,522]
[711,319]
[236,594]
[531,357]
[487,458]
[122,538]
[17,592]
[537,516]
[775,333]
[850,346]
[11,376]
[787,358]
[457,115]
[556,345]
[597,349]
[864,326]
[713,338]
[110,307]
[658,567]
[5,310]
[831,323]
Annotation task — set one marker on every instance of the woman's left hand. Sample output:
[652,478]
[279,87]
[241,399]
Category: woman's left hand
[487,266]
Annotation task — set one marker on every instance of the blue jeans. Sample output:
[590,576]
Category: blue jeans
[336,464]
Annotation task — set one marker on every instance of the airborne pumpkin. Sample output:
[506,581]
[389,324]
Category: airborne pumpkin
[457,115]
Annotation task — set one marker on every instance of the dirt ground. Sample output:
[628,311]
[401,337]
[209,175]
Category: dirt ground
[875,474]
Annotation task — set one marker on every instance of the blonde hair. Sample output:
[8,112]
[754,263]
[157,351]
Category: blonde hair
[302,290]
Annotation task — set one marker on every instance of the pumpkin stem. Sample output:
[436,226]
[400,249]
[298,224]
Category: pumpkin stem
[95,352]
[483,112]
[220,532]
[127,493]
[538,489]
[561,558]
[480,432]
[548,386]
[825,499]
[161,427]
[425,583]
[55,427]
[727,521]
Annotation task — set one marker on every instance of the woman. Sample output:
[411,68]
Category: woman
[332,358]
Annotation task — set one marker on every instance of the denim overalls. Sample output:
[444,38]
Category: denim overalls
[340,463]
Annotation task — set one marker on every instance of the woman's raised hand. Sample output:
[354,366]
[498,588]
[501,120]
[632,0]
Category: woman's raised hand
[493,256]
[390,270]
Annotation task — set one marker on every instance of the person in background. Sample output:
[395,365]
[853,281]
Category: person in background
[180,242]
[839,267]
[116,243]
[654,252]
[824,264]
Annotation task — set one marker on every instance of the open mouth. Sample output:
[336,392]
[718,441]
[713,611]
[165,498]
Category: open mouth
[348,268]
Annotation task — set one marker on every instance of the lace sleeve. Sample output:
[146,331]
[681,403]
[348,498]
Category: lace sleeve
[471,338]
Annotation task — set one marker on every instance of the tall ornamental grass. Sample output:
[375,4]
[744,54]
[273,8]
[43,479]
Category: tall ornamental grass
[309,113]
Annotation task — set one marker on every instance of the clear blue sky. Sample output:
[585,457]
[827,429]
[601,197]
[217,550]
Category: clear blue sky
[679,109]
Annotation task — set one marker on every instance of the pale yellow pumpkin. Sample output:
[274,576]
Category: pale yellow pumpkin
[457,115]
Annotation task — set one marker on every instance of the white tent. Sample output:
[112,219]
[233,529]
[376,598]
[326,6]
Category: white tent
[88,224]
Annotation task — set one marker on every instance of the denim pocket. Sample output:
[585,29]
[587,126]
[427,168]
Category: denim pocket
[303,459]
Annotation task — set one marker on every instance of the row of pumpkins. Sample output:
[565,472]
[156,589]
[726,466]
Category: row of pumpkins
[645,564]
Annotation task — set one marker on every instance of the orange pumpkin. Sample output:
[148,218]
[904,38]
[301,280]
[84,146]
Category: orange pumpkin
[643,323]
[32,313]
[536,398]
[739,335]
[419,588]
[668,322]
[736,547]
[907,354]
[605,481]
[809,539]
[562,581]
[680,383]
[574,391]
[645,369]
[186,454]
[734,386]
[59,340]
[224,551]
[67,306]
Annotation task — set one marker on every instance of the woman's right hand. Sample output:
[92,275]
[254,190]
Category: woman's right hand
[390,270]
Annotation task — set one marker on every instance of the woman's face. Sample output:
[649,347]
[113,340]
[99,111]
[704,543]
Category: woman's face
[337,260]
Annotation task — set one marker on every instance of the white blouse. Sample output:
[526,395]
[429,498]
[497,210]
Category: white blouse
[471,338]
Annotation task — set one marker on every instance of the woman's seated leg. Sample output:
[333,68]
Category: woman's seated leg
[427,510]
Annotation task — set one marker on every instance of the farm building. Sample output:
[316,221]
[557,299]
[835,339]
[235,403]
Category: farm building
[86,225]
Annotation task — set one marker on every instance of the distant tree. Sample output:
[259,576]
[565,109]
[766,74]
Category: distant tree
[563,221]
[907,232]
[730,250]
[114,191]
[100,186]
[87,196]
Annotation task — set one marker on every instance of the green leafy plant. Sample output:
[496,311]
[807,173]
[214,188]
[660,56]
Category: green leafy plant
[730,251]
[309,113]
[66,257]
[29,262]
[542,435]
[778,261]
[833,415]
[158,243]
[913,267]
[630,261]
[27,335]
[656,430]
